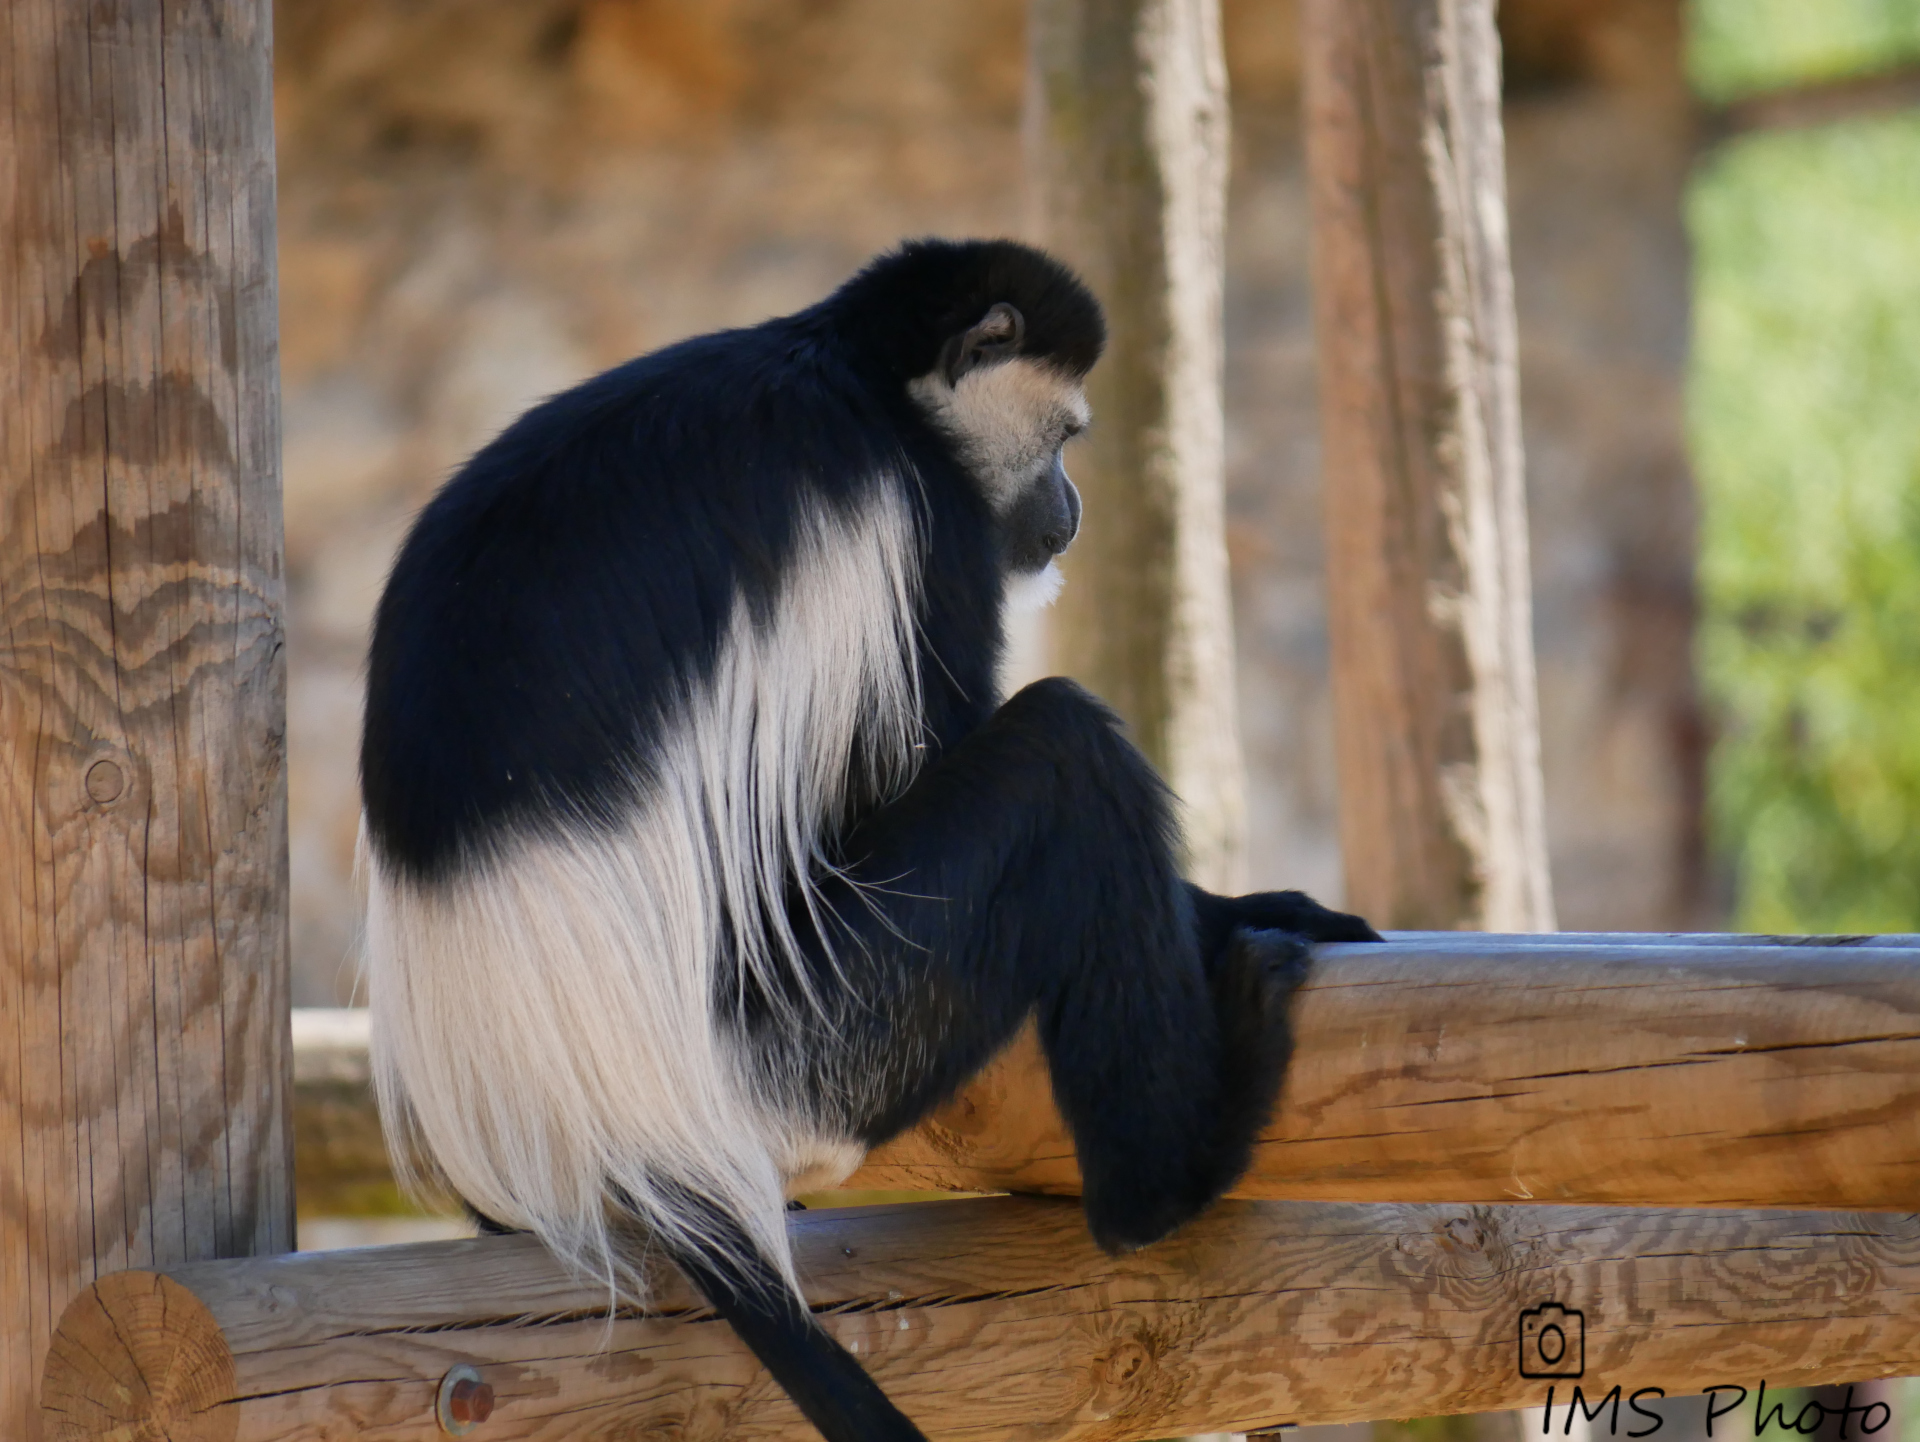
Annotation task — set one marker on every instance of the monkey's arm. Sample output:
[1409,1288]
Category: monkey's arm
[1033,870]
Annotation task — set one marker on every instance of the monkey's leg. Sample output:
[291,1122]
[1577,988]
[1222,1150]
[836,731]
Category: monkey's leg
[1033,869]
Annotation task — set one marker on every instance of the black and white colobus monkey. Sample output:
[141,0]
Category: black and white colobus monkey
[702,852]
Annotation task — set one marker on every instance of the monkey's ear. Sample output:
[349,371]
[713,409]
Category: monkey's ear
[996,336]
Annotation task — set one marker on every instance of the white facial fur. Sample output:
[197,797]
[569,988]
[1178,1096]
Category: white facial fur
[1007,420]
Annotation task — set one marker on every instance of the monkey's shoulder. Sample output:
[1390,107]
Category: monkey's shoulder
[554,603]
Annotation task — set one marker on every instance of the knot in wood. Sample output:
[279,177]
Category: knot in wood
[1467,1233]
[1137,1369]
[1126,1362]
[105,782]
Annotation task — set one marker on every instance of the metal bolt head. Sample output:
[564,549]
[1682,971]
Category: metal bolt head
[464,1401]
[471,1402]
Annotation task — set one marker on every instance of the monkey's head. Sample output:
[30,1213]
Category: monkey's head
[994,340]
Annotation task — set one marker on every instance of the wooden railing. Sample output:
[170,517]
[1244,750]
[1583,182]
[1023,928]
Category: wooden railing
[1686,1082]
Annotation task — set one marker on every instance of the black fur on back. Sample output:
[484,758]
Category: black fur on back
[578,573]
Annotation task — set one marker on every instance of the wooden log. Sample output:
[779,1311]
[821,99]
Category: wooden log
[1613,1070]
[998,1318]
[1127,123]
[1429,599]
[1819,102]
[143,839]
[1518,1068]
[340,1161]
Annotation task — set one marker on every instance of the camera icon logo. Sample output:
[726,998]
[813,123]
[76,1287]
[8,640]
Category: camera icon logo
[1553,1341]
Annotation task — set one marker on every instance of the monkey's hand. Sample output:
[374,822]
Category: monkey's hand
[1290,911]
[1300,914]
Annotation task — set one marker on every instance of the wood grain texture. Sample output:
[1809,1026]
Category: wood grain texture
[1716,1072]
[142,791]
[1127,129]
[1442,821]
[138,1356]
[999,1319]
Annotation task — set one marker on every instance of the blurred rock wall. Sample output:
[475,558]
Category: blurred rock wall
[482,201]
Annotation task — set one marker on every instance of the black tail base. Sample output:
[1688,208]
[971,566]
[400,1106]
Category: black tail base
[826,1383]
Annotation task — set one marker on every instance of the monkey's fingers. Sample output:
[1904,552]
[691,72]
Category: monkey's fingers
[1300,914]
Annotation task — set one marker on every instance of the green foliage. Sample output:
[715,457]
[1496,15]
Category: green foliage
[1736,47]
[1805,419]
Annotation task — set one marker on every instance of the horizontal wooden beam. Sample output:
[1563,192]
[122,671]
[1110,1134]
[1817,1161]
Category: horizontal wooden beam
[1595,1069]
[998,1318]
[1820,102]
[340,1164]
[1607,1070]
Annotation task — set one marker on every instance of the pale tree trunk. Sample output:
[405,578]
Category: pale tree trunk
[143,860]
[1127,130]
[1441,809]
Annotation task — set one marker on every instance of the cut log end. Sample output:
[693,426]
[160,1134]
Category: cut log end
[138,1357]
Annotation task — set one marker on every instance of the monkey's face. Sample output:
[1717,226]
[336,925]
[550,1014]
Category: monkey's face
[1008,416]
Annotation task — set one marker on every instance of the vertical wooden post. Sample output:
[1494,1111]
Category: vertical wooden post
[143,860]
[1127,125]
[1430,601]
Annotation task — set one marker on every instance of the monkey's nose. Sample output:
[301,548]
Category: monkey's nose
[1058,536]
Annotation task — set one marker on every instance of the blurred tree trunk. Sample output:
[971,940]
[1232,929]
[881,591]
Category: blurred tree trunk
[1441,811]
[1127,128]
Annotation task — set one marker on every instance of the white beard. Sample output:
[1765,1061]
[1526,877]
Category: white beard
[1034,591]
